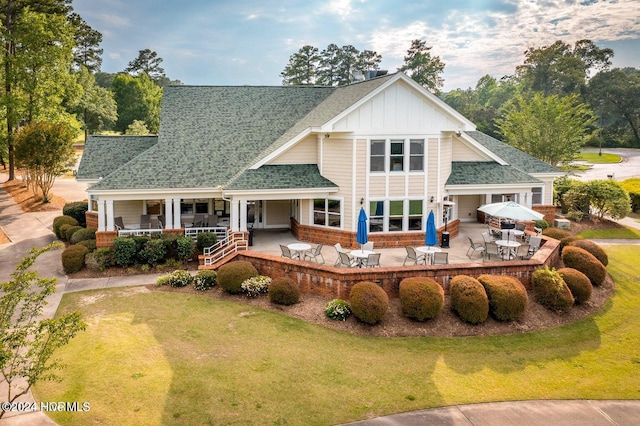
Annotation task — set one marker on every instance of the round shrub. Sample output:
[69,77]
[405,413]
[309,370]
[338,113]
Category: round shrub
[124,251]
[567,241]
[284,291]
[421,298]
[594,249]
[556,233]
[551,291]
[77,210]
[206,239]
[255,286]
[180,278]
[184,248]
[204,279]
[580,259]
[233,274]
[70,230]
[542,224]
[83,234]
[469,299]
[89,244]
[578,283]
[73,258]
[63,220]
[507,296]
[100,259]
[369,302]
[153,251]
[337,309]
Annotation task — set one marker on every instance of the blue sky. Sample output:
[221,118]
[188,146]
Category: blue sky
[249,42]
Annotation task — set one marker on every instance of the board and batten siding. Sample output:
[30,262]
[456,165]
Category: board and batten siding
[304,152]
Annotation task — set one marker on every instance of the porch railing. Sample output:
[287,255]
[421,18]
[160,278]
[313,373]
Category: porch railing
[220,231]
[224,247]
[138,232]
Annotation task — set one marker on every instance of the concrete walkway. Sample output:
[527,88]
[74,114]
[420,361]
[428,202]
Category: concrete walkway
[27,230]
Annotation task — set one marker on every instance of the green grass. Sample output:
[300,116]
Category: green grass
[594,158]
[169,358]
[616,233]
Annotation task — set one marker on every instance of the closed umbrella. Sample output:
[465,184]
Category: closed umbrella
[431,238]
[361,235]
[511,210]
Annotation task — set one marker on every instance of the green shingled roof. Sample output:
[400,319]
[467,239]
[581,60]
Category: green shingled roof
[286,176]
[486,173]
[102,154]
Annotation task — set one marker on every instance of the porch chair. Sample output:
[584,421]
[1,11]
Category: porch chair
[197,220]
[412,255]
[368,246]
[287,253]
[345,260]
[315,253]
[440,258]
[118,222]
[161,221]
[372,260]
[145,221]
[155,224]
[492,249]
[474,248]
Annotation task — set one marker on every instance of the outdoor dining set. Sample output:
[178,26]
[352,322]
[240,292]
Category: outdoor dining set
[364,257]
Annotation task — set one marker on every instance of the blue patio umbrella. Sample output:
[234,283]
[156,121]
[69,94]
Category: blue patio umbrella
[431,238]
[361,235]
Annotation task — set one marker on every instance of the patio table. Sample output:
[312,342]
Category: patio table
[361,255]
[510,246]
[429,250]
[299,248]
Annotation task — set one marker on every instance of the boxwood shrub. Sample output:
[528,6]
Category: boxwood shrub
[73,258]
[421,298]
[556,233]
[100,259]
[580,259]
[233,274]
[579,284]
[205,239]
[369,303]
[469,299]
[550,290]
[184,248]
[594,249]
[153,251]
[284,291]
[124,251]
[77,210]
[83,234]
[70,230]
[507,296]
[89,244]
[63,220]
[204,279]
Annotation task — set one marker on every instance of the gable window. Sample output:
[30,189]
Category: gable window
[536,195]
[416,155]
[397,156]
[377,156]
[327,212]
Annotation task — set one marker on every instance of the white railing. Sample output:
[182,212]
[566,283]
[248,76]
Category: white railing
[220,231]
[224,247]
[138,232]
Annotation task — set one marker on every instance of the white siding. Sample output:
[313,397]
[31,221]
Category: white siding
[304,152]
[129,210]
[462,152]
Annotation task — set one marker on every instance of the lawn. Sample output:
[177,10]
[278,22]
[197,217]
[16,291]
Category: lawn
[594,158]
[167,358]
[614,233]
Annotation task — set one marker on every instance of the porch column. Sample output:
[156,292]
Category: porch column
[176,213]
[110,221]
[235,206]
[102,224]
[168,213]
[243,215]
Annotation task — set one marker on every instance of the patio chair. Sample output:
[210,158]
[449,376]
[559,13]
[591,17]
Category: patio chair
[412,255]
[492,249]
[534,244]
[523,252]
[339,249]
[440,258]
[345,260]
[118,222]
[521,227]
[315,253]
[197,220]
[474,248]
[372,260]
[368,246]
[287,253]
[487,238]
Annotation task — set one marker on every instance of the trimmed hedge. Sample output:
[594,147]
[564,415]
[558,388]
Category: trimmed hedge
[63,220]
[77,210]
[284,291]
[507,296]
[69,231]
[421,298]
[369,303]
[153,252]
[594,249]
[83,234]
[73,258]
[579,284]
[469,299]
[233,274]
[580,259]
[556,233]
[551,291]
[89,244]
[124,251]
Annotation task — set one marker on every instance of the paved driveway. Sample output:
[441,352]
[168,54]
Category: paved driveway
[629,167]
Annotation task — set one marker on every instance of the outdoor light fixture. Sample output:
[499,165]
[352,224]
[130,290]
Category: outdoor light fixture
[327,135]
[361,201]
[432,198]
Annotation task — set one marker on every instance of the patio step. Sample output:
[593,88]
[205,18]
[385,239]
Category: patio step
[220,262]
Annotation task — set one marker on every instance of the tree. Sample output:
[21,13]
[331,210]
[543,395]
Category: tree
[86,52]
[550,128]
[137,128]
[45,151]
[138,98]
[599,198]
[28,342]
[97,110]
[302,68]
[148,62]
[10,11]
[422,67]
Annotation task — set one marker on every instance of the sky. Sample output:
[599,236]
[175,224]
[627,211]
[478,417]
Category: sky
[249,42]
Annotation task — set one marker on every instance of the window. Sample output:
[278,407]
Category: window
[327,212]
[500,198]
[415,215]
[376,216]
[395,215]
[154,207]
[416,155]
[194,206]
[536,195]
[397,156]
[377,156]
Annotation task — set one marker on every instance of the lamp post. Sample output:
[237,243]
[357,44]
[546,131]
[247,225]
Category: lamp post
[600,130]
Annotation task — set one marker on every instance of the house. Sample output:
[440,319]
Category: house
[308,158]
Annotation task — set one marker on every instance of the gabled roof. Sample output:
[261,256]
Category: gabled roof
[102,153]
